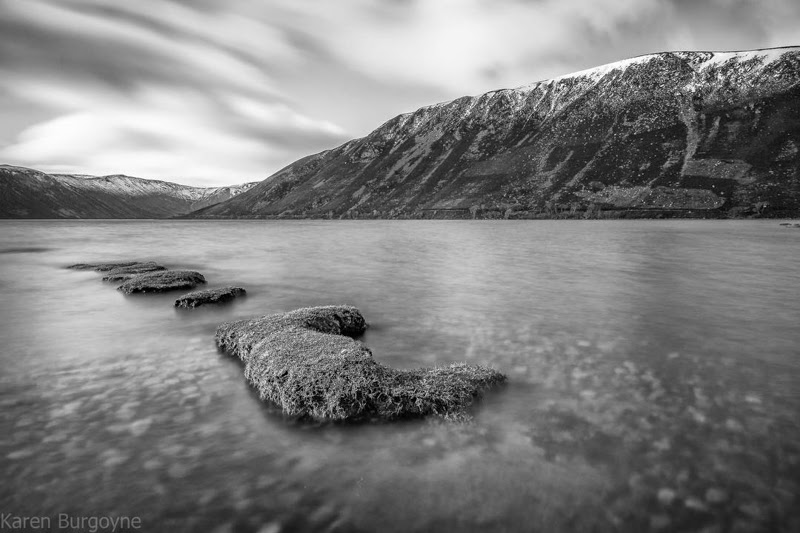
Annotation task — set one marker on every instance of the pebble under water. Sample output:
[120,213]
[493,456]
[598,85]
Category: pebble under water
[654,377]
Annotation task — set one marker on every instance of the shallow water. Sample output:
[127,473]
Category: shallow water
[654,377]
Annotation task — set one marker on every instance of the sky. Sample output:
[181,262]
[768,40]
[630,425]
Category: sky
[218,92]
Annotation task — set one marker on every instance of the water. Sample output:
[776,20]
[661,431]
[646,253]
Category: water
[653,371]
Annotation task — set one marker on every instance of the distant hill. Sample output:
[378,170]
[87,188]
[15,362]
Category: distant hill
[28,193]
[668,134]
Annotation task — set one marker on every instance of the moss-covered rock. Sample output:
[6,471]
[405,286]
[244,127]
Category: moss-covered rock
[103,267]
[306,362]
[209,296]
[162,281]
[126,272]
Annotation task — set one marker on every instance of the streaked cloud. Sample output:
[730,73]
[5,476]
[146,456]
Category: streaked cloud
[218,92]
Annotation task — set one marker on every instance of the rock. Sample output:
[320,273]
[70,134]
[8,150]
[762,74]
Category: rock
[162,281]
[662,445]
[67,409]
[209,296]
[227,527]
[112,458]
[272,527]
[695,505]
[659,522]
[715,495]
[102,267]
[19,454]
[697,415]
[153,464]
[752,399]
[752,509]
[306,362]
[734,425]
[636,482]
[140,427]
[177,470]
[666,496]
[127,272]
[139,276]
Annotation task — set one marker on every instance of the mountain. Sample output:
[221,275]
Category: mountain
[704,134]
[28,193]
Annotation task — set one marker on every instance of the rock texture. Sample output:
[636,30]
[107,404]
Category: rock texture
[126,272]
[676,134]
[209,296]
[28,193]
[306,362]
[162,281]
[103,267]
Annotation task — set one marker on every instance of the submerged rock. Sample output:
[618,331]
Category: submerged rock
[715,495]
[666,496]
[209,296]
[306,362]
[162,281]
[103,267]
[126,272]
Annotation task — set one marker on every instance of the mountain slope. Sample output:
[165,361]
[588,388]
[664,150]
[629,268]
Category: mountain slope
[681,134]
[28,193]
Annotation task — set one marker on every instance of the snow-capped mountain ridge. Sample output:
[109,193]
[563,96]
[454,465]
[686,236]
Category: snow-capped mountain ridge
[139,186]
[28,193]
[699,60]
[753,60]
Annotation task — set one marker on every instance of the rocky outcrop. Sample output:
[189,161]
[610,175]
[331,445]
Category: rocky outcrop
[151,277]
[126,272]
[162,281]
[28,193]
[307,362]
[103,267]
[209,296]
[669,134]
[120,271]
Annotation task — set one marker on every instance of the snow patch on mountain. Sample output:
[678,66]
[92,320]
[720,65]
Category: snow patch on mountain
[596,73]
[765,57]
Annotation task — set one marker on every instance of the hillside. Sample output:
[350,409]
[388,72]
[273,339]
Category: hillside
[697,134]
[28,193]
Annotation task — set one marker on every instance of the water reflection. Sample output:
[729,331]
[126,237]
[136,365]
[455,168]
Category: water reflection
[653,377]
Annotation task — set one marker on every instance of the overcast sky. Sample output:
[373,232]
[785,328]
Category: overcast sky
[215,92]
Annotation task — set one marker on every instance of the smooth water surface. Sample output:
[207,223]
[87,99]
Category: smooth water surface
[654,377]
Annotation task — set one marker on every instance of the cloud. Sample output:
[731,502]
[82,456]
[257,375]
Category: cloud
[153,96]
[224,91]
[469,46]
[158,131]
